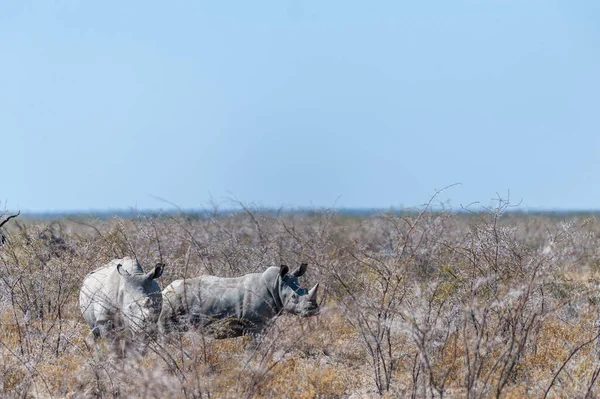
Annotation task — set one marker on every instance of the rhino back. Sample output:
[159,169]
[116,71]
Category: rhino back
[225,297]
[210,298]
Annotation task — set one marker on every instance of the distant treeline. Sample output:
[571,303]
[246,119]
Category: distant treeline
[348,212]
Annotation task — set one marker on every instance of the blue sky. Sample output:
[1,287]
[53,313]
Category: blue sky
[108,105]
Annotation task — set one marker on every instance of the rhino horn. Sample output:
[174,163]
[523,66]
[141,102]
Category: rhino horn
[312,294]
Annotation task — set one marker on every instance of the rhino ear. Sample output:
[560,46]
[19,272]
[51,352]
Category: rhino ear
[300,270]
[283,270]
[122,271]
[157,272]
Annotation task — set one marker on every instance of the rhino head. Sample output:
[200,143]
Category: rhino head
[142,298]
[296,300]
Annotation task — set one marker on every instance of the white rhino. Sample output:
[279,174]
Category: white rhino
[231,307]
[121,296]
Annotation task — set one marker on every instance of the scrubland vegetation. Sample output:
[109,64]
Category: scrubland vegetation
[423,304]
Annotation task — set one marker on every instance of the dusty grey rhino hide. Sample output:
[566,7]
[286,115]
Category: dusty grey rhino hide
[121,296]
[231,307]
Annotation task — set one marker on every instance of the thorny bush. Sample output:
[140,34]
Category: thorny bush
[415,304]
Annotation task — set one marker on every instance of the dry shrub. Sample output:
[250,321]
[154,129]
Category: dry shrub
[416,304]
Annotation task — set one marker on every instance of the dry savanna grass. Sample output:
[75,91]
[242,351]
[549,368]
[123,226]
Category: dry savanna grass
[421,304]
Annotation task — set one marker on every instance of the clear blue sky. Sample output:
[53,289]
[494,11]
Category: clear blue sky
[107,105]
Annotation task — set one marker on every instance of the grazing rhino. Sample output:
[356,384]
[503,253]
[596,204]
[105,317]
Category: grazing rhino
[120,296]
[231,307]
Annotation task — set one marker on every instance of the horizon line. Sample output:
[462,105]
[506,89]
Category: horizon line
[289,210]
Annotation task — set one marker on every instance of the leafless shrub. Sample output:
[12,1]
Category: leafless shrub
[424,304]
[2,237]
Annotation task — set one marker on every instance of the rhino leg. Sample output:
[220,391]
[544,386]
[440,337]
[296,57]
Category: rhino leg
[96,333]
[166,320]
[163,326]
[103,328]
[170,312]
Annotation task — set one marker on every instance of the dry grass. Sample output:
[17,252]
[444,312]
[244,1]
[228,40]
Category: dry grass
[424,305]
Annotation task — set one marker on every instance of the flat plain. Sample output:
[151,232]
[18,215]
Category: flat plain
[421,304]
